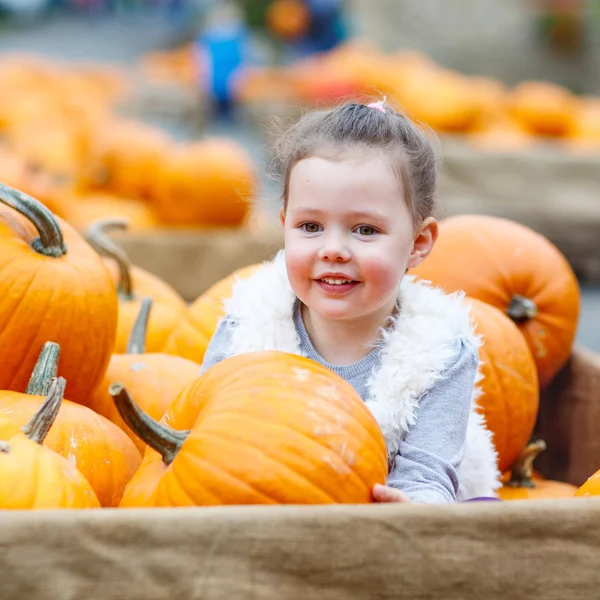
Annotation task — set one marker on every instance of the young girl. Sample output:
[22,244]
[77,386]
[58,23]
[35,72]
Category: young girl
[358,203]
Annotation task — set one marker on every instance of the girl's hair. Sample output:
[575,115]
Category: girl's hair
[352,126]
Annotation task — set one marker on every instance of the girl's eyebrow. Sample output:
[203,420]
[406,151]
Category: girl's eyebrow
[358,214]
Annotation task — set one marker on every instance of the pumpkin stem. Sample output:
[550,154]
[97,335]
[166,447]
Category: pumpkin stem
[97,238]
[162,438]
[46,368]
[137,339]
[522,471]
[38,427]
[50,242]
[522,309]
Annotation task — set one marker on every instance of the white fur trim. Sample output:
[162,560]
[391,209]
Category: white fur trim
[418,347]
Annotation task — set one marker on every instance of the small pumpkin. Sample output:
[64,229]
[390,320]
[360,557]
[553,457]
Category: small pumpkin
[203,315]
[32,476]
[155,379]
[509,397]
[82,210]
[522,485]
[288,19]
[517,270]
[543,108]
[100,450]
[258,428]
[133,283]
[206,183]
[53,286]
[591,487]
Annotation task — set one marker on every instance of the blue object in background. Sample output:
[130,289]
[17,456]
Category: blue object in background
[222,49]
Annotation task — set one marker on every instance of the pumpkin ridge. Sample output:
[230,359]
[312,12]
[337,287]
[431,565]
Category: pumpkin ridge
[265,458]
[223,474]
[285,467]
[4,326]
[288,427]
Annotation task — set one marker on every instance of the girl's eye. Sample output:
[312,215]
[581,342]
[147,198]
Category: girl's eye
[311,227]
[366,230]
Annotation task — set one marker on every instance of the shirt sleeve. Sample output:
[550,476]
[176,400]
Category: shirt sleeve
[426,467]
[218,347]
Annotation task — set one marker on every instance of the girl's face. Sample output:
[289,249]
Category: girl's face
[349,237]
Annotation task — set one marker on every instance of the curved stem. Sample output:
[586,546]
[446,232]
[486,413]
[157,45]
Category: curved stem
[96,237]
[522,471]
[50,242]
[38,427]
[46,368]
[162,438]
[521,309]
[137,339]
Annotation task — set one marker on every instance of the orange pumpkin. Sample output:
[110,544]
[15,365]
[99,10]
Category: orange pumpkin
[522,485]
[53,286]
[125,156]
[155,379]
[99,449]
[32,476]
[207,183]
[132,284]
[258,428]
[591,487]
[516,270]
[510,396]
[288,19]
[542,107]
[203,316]
[82,210]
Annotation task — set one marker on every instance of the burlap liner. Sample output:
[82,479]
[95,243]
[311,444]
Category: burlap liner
[474,551]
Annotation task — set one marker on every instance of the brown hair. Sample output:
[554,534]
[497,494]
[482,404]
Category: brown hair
[353,126]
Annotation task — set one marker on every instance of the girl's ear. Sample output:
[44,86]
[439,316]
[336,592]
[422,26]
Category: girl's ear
[424,242]
[282,216]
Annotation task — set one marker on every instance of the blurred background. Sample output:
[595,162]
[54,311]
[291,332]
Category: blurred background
[160,111]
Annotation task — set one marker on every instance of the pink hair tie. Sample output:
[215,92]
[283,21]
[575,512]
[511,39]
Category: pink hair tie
[378,105]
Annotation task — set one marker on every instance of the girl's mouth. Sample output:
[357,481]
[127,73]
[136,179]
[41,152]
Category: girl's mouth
[332,285]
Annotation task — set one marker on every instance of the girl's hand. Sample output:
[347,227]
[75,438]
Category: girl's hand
[385,493]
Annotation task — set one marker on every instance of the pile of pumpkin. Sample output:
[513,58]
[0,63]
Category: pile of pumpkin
[63,141]
[102,393]
[482,110]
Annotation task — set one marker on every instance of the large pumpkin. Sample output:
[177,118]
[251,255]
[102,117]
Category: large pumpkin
[509,389]
[516,270]
[100,450]
[132,284]
[53,286]
[523,485]
[258,428]
[155,379]
[32,476]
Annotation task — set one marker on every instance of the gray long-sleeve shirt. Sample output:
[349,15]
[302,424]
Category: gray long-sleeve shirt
[427,463]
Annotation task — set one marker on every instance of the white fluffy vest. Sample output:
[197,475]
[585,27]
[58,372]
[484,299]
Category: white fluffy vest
[417,349]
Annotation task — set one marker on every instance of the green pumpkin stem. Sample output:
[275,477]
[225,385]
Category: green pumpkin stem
[522,471]
[522,309]
[50,242]
[137,339]
[97,238]
[38,427]
[46,368]
[162,438]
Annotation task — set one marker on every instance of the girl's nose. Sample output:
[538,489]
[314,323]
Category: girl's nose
[334,249]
